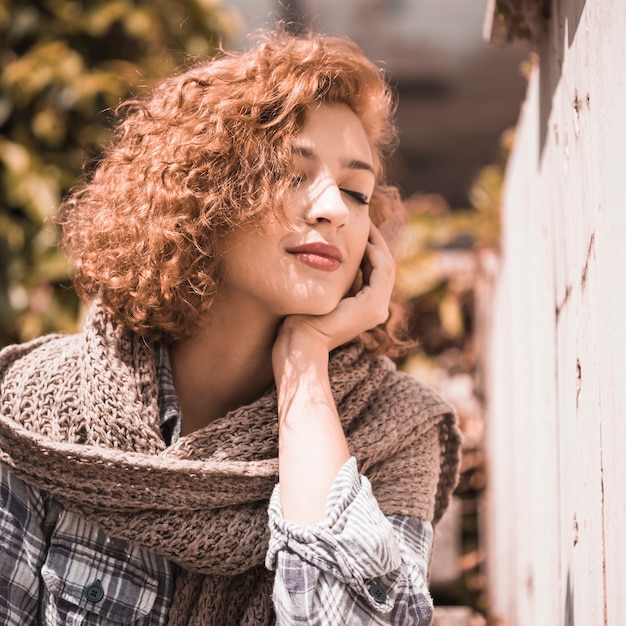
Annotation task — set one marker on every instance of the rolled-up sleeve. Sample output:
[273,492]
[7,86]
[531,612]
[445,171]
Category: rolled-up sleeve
[357,566]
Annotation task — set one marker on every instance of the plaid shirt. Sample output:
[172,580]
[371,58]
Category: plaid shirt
[355,567]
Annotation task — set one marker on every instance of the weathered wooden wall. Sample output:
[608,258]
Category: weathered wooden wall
[556,356]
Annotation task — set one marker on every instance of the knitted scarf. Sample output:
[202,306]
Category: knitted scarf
[80,419]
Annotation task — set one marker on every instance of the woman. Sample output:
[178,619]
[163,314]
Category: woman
[191,456]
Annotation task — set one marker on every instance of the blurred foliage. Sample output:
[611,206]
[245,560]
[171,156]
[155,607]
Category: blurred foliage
[65,65]
[445,261]
[520,20]
[438,256]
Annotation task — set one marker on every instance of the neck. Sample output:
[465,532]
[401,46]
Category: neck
[226,363]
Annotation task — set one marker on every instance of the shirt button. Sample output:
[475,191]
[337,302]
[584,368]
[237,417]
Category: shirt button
[378,593]
[95,592]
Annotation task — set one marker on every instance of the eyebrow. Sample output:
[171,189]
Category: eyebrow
[353,164]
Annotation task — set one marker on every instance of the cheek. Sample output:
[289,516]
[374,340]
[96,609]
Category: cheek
[246,254]
[359,243]
[362,234]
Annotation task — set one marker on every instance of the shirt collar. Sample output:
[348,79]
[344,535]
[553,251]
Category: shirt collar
[169,407]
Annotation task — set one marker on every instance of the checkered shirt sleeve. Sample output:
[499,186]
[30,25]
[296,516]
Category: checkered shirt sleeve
[356,566]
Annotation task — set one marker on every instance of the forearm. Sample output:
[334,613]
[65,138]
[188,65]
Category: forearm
[312,445]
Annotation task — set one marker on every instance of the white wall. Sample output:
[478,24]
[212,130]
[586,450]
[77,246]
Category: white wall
[556,364]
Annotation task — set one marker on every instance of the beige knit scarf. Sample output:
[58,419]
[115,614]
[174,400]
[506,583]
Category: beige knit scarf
[80,419]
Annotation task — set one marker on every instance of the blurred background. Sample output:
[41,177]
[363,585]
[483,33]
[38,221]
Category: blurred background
[66,63]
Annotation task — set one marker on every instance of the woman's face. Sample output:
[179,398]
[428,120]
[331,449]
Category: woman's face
[309,266]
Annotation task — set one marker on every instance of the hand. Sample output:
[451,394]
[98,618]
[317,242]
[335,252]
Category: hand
[354,314]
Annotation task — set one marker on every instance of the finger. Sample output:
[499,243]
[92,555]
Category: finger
[381,278]
[376,237]
[374,240]
[379,243]
[381,264]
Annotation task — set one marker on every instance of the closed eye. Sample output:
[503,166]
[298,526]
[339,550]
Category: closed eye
[359,197]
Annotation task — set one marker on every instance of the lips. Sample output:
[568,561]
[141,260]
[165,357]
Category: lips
[321,256]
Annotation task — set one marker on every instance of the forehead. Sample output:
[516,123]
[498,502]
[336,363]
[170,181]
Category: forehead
[333,130]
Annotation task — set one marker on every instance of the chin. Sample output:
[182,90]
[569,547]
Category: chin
[317,301]
[319,306]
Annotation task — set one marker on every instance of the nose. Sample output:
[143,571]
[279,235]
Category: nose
[328,206]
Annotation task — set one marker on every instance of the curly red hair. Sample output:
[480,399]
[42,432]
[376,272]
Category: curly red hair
[207,151]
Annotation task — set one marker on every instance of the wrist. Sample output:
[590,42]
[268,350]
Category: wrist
[301,342]
[300,361]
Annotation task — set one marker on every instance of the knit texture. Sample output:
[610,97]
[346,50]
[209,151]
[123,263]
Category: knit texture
[80,419]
